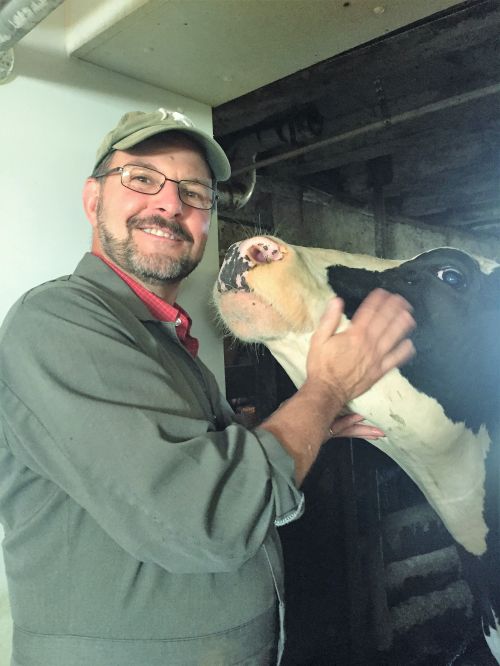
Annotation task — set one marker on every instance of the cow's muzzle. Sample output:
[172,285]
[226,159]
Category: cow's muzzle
[242,257]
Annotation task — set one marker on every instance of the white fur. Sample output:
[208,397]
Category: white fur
[493,639]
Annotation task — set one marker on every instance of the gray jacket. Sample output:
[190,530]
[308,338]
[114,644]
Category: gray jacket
[140,519]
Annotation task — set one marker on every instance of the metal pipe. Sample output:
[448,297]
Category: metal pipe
[17,18]
[457,100]
[236,192]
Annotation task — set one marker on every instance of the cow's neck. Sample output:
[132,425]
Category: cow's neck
[445,459]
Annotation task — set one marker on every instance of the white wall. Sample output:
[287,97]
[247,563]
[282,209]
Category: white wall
[53,115]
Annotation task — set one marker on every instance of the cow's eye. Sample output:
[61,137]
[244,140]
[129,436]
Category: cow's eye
[453,277]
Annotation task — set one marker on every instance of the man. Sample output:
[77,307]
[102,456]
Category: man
[140,518]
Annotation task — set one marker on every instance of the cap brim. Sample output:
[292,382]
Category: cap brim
[216,157]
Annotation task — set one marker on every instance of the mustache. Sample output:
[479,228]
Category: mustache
[161,223]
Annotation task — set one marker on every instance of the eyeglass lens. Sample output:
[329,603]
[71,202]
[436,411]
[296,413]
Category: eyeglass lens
[148,181]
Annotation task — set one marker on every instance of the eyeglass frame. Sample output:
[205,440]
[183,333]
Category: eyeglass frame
[121,169]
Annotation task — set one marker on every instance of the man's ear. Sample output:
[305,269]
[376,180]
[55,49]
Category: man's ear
[91,191]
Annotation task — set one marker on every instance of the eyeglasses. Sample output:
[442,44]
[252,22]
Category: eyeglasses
[149,181]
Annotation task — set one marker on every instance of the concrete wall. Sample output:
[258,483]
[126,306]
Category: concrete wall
[333,224]
[53,115]
[317,220]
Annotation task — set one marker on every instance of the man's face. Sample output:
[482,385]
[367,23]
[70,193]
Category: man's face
[155,238]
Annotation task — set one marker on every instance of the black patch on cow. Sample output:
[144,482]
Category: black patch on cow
[457,310]
[234,266]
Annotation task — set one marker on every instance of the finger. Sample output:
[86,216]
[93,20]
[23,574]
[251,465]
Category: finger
[330,320]
[351,426]
[392,321]
[400,355]
[343,422]
[380,309]
[370,306]
[361,431]
[397,327]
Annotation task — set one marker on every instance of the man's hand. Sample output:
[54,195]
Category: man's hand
[339,368]
[350,362]
[351,425]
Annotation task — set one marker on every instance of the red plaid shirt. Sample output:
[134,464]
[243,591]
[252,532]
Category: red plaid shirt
[161,310]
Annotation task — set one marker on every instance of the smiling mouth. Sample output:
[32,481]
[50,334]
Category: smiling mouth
[157,226]
[161,233]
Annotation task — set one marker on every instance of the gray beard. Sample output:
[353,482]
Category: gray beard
[150,269]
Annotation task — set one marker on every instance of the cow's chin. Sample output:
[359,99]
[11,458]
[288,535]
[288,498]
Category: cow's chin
[249,317]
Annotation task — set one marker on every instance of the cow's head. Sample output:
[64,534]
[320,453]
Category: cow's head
[439,412]
[457,308]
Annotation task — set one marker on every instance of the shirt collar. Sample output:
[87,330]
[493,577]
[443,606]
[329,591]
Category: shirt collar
[160,309]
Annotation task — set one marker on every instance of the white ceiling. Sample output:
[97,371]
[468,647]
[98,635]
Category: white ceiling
[216,50]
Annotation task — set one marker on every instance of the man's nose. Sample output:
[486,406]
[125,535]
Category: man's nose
[168,198]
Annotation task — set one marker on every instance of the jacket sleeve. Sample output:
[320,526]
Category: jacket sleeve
[88,408]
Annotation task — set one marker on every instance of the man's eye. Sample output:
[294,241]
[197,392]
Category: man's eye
[192,194]
[453,277]
[193,190]
[140,178]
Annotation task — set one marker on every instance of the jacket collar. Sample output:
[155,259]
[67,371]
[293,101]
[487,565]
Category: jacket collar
[93,270]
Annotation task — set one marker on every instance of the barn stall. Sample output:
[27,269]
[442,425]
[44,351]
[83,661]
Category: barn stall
[389,149]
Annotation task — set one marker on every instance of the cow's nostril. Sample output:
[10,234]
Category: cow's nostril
[264,252]
[257,255]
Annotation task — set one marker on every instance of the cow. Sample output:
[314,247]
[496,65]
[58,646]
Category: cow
[440,412]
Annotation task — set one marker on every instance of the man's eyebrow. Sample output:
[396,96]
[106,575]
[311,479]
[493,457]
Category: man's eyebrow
[198,179]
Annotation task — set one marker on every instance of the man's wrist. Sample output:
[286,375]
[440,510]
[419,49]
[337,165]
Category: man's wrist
[326,399]
[302,423]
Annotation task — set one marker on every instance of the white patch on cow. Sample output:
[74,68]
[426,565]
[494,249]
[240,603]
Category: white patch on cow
[493,639]
[445,459]
[291,353]
[317,259]
[487,265]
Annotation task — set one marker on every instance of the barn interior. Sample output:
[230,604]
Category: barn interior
[389,148]
[368,126]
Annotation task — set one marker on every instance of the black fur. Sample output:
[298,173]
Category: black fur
[458,352]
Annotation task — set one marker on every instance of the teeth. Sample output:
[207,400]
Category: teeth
[159,232]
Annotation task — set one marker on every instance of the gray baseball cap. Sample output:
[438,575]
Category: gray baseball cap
[137,126]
